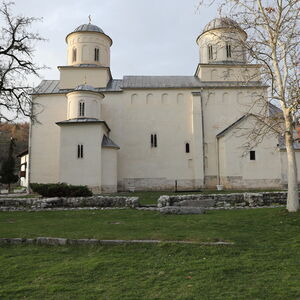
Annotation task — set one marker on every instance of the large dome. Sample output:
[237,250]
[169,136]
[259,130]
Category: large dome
[88,27]
[218,23]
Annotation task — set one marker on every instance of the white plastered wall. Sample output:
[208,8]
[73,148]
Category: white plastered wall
[71,77]
[85,43]
[136,114]
[92,104]
[86,170]
[227,73]
[221,108]
[109,170]
[44,140]
[236,168]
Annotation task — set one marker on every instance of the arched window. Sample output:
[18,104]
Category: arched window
[228,50]
[96,54]
[74,54]
[79,151]
[81,109]
[153,140]
[187,148]
[210,52]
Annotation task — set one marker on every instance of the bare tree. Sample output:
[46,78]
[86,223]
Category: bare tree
[273,41]
[16,63]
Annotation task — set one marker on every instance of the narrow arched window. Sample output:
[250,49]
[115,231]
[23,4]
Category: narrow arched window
[228,50]
[74,54]
[96,54]
[81,109]
[187,148]
[210,52]
[153,141]
[79,151]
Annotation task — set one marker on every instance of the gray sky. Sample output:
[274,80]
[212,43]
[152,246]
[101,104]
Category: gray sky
[154,37]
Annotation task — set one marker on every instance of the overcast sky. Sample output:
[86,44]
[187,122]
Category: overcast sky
[154,37]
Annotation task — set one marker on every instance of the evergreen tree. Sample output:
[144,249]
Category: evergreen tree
[7,173]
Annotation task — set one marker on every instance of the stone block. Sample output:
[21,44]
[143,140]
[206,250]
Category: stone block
[182,210]
[197,203]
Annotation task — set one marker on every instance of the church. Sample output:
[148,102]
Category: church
[154,132]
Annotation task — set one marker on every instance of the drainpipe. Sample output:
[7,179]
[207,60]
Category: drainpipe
[203,147]
[218,161]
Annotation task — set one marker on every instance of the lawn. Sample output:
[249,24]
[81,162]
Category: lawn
[263,263]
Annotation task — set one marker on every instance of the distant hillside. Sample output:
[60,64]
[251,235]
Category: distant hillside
[19,132]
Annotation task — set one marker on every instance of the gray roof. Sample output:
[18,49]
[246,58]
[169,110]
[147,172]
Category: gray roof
[88,27]
[52,87]
[85,87]
[147,82]
[84,66]
[157,82]
[161,82]
[83,121]
[274,110]
[108,143]
[223,132]
[218,23]
[47,87]
[281,144]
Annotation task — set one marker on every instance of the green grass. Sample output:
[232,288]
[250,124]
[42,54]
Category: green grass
[264,262]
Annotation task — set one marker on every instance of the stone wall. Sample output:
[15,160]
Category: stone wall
[94,201]
[224,200]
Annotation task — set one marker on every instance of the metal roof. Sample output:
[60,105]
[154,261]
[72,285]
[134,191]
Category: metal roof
[85,87]
[161,82]
[108,143]
[83,121]
[52,87]
[88,27]
[281,144]
[147,82]
[218,23]
[274,110]
[223,132]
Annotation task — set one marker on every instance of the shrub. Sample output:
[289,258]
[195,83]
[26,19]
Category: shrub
[60,190]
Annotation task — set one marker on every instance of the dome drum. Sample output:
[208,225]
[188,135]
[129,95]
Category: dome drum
[84,102]
[88,44]
[221,42]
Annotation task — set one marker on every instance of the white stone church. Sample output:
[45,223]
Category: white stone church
[153,132]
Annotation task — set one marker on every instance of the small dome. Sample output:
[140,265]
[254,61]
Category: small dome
[218,23]
[85,87]
[88,27]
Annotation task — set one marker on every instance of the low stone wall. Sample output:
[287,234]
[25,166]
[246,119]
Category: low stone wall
[52,241]
[59,202]
[224,200]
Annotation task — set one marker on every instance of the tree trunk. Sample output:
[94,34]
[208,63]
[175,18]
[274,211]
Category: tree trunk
[293,197]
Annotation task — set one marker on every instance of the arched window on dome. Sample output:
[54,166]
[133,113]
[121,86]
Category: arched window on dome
[228,50]
[187,147]
[74,54]
[96,54]
[210,52]
[81,109]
